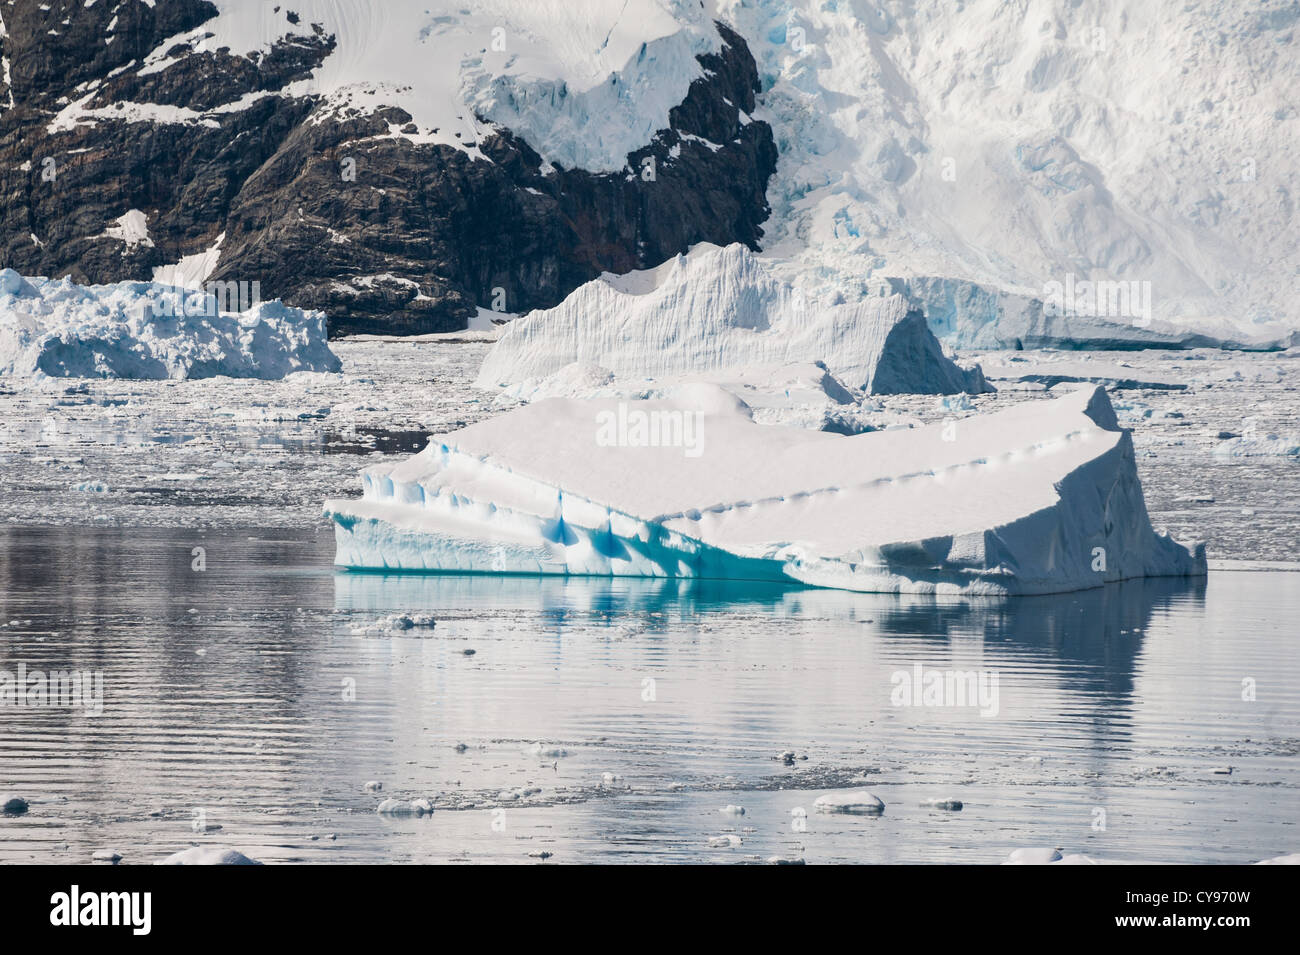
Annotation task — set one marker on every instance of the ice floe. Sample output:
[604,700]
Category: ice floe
[1043,497]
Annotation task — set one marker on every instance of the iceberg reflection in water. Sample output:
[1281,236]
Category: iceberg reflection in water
[225,689]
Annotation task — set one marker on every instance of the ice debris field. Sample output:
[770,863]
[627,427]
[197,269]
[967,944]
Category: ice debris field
[1041,498]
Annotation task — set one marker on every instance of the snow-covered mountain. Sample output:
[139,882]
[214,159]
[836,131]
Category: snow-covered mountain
[1013,145]
[403,163]
[396,163]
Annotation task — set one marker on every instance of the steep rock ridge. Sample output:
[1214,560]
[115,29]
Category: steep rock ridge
[133,111]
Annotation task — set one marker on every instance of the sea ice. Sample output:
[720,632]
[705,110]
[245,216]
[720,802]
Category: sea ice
[1040,498]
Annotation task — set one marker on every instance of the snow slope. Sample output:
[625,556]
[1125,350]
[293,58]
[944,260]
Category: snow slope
[722,310]
[1015,144]
[583,81]
[144,330]
[1041,498]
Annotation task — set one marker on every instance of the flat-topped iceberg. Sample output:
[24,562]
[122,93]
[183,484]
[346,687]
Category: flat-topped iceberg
[151,331]
[719,311]
[1043,497]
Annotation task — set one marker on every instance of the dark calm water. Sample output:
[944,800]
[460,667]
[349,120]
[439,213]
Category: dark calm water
[240,696]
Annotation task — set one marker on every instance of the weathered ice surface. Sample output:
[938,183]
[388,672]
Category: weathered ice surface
[1041,498]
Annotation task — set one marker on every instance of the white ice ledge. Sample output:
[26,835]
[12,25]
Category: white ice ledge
[1041,498]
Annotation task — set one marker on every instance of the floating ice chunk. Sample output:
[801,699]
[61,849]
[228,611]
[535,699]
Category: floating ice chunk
[857,802]
[397,623]
[150,331]
[403,807]
[373,786]
[1042,497]
[1293,859]
[720,310]
[952,805]
[547,751]
[732,810]
[1259,445]
[202,855]
[724,842]
[1033,856]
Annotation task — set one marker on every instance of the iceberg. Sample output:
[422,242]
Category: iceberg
[722,310]
[1043,497]
[144,330]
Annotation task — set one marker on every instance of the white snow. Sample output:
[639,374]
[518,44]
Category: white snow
[192,270]
[132,228]
[144,330]
[721,311]
[1014,145]
[1042,497]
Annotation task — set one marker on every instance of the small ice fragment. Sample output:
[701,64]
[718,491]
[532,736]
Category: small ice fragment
[373,786]
[201,855]
[724,842]
[1033,856]
[954,805]
[784,860]
[395,807]
[856,802]
[732,810]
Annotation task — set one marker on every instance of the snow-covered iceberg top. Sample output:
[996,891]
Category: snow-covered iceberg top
[719,310]
[147,330]
[1043,497]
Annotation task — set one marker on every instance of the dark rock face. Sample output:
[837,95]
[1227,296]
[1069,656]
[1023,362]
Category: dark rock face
[323,208]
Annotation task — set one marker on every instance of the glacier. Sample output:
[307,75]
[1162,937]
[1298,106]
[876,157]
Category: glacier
[719,311]
[1011,145]
[145,330]
[1042,497]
